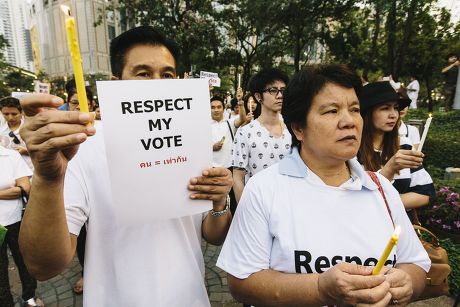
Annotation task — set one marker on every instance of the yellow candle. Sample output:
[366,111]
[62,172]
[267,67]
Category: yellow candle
[393,241]
[72,39]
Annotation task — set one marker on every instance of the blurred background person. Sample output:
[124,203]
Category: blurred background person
[12,112]
[412,91]
[450,73]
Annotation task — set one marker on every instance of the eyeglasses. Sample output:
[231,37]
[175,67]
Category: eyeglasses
[15,138]
[274,91]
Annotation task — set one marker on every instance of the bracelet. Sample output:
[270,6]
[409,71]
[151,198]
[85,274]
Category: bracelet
[224,211]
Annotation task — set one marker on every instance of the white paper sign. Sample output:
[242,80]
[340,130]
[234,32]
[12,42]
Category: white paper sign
[213,77]
[41,87]
[157,136]
[19,95]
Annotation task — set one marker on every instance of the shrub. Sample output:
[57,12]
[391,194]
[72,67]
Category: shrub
[444,211]
[442,145]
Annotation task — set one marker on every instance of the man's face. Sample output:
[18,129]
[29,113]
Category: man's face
[217,110]
[272,97]
[146,62]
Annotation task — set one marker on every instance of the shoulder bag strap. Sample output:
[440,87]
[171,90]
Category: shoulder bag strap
[379,186]
[230,128]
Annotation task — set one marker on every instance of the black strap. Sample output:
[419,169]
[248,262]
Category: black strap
[230,128]
[24,197]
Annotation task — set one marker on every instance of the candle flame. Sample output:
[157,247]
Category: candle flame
[65,9]
[397,230]
[429,115]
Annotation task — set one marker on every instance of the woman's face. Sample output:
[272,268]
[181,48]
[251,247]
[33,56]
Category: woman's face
[251,104]
[73,103]
[385,116]
[334,125]
[12,116]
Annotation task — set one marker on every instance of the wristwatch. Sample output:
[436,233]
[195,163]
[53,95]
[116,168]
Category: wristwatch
[223,211]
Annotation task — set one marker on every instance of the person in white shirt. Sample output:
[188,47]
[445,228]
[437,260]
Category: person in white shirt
[412,91]
[265,140]
[12,112]
[317,213]
[223,131]
[14,178]
[159,263]
[408,131]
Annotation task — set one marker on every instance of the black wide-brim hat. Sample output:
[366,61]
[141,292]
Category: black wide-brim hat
[377,93]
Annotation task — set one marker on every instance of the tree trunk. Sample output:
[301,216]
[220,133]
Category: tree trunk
[297,51]
[406,38]
[429,90]
[375,36]
[391,30]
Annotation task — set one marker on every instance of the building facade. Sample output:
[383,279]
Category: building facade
[14,27]
[49,41]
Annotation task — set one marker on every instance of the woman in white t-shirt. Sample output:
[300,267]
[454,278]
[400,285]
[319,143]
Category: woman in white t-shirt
[317,212]
[14,175]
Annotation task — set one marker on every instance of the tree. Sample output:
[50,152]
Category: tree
[190,22]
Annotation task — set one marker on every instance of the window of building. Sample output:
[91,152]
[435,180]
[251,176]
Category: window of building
[111,32]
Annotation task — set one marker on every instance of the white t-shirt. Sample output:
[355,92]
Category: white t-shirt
[255,149]
[224,128]
[413,95]
[5,131]
[290,221]
[410,132]
[415,180]
[12,167]
[152,264]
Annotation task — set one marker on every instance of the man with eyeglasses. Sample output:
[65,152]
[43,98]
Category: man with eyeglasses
[265,140]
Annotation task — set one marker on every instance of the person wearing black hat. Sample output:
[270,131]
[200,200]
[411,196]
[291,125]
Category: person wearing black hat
[383,150]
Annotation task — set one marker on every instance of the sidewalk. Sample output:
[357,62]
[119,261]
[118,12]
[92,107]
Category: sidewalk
[57,292]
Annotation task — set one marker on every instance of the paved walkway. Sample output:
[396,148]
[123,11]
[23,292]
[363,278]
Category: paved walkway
[57,292]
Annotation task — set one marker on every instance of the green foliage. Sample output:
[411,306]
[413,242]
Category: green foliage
[444,211]
[453,252]
[442,145]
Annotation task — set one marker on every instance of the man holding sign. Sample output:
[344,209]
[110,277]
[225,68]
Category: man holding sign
[156,263]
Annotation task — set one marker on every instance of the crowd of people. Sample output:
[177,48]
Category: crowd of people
[310,176]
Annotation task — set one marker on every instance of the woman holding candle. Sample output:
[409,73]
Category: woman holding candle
[318,212]
[383,149]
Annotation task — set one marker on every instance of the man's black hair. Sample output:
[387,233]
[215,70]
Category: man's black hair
[306,84]
[213,98]
[143,35]
[451,55]
[264,77]
[10,102]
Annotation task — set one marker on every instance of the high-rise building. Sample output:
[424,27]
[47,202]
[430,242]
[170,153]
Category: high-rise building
[49,41]
[14,27]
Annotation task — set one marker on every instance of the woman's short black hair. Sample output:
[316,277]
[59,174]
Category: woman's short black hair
[265,77]
[143,35]
[10,102]
[306,84]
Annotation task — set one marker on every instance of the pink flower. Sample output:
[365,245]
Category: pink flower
[444,190]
